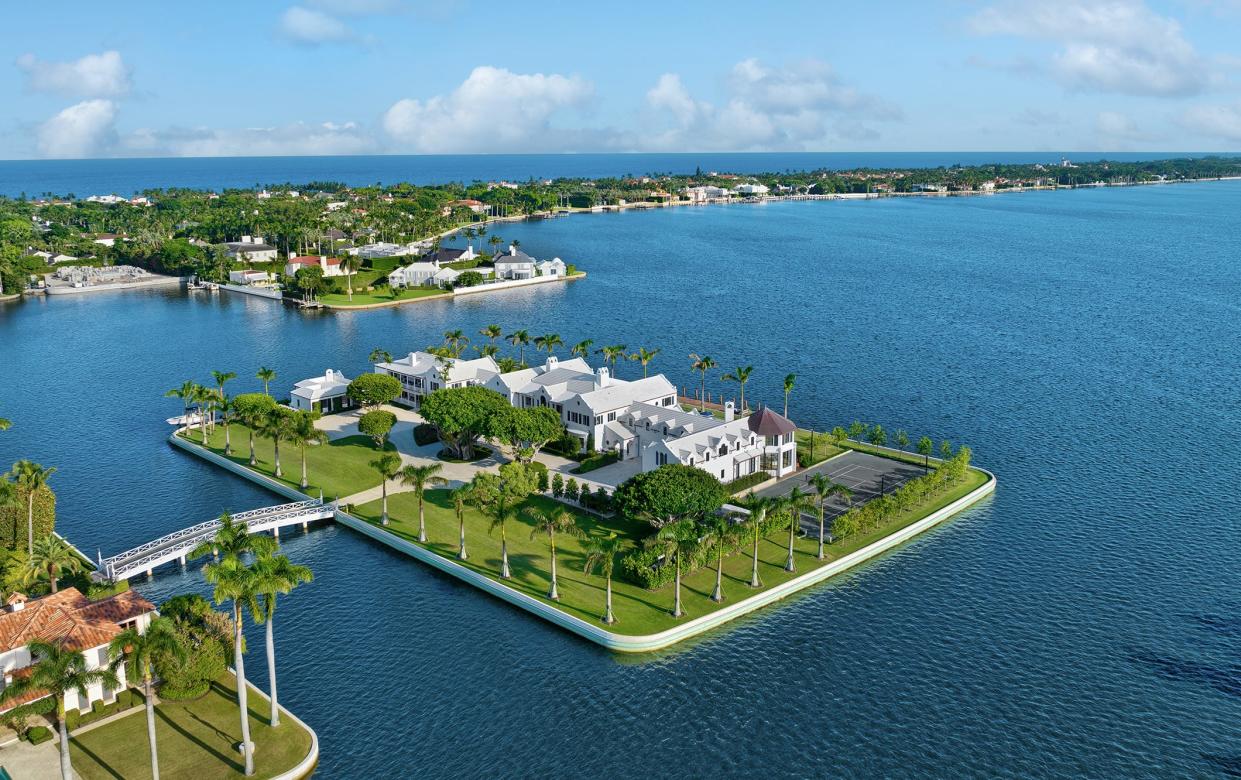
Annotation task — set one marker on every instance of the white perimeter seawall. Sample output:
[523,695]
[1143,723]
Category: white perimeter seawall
[623,643]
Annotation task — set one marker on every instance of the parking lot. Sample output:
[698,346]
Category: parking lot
[866,475]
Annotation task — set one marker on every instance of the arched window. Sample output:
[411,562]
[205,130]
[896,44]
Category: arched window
[723,450]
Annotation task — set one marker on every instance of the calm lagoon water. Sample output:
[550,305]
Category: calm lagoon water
[1085,621]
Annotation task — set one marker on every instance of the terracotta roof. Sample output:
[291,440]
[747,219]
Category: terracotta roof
[765,422]
[70,619]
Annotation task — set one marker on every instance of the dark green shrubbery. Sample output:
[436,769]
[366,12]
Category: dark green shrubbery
[38,735]
[425,434]
[206,637]
[741,484]
[596,460]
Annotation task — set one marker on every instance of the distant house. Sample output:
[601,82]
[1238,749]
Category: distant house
[752,189]
[421,373]
[106,239]
[324,394]
[109,200]
[251,249]
[249,276]
[444,256]
[382,249]
[476,206]
[553,267]
[57,259]
[331,265]
[706,193]
[413,275]
[72,621]
[514,265]
[446,276]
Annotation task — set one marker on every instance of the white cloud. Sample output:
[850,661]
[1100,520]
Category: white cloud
[1216,121]
[82,130]
[800,106]
[1116,128]
[493,110]
[297,138]
[95,75]
[1117,46]
[308,26]
[355,7]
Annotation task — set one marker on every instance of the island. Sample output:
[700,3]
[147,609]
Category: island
[620,509]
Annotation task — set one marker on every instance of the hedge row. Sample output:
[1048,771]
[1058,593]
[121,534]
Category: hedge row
[596,461]
[748,481]
[99,710]
[879,511]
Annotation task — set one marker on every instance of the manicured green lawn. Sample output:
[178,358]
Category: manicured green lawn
[195,741]
[340,468]
[377,296]
[638,611]
[823,448]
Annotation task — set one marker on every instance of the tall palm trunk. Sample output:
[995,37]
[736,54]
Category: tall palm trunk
[202,423]
[461,553]
[149,690]
[383,515]
[276,446]
[422,520]
[676,602]
[608,617]
[30,522]
[553,594]
[228,440]
[504,570]
[718,595]
[821,513]
[794,521]
[271,668]
[66,768]
[253,458]
[305,483]
[754,580]
[52,577]
[239,663]
[702,393]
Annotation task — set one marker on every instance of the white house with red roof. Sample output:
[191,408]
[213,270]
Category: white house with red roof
[74,622]
[331,265]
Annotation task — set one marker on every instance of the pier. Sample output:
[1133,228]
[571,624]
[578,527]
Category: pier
[177,545]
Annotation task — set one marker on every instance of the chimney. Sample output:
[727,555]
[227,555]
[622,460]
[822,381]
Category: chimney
[512,250]
[552,362]
[729,412]
[246,240]
[602,377]
[17,602]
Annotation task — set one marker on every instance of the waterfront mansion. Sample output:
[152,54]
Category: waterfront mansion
[637,419]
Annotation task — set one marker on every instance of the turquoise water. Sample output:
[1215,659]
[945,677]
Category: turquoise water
[1084,621]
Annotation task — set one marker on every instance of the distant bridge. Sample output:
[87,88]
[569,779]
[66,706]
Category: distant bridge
[177,545]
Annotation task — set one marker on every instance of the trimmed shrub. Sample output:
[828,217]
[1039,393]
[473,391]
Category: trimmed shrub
[13,519]
[596,461]
[39,734]
[425,434]
[540,470]
[741,484]
[72,719]
[599,501]
[571,489]
[557,485]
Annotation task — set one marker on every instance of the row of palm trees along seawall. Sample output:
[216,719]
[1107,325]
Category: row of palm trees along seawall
[49,562]
[653,530]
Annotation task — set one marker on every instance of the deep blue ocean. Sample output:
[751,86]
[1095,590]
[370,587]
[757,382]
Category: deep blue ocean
[128,176]
[1085,621]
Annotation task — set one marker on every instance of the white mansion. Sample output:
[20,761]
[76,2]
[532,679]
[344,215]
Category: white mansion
[637,419]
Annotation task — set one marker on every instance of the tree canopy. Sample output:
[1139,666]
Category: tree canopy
[372,390]
[377,424]
[463,414]
[669,494]
[527,430]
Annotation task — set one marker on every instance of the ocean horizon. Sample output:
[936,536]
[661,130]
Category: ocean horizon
[128,176]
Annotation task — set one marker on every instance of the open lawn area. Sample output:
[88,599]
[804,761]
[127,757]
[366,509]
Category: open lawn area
[378,296]
[822,450]
[638,611]
[195,739]
[340,468]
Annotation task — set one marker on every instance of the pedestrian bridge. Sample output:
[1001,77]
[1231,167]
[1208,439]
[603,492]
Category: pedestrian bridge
[177,545]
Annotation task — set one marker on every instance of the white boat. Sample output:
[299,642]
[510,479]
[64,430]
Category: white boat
[193,418]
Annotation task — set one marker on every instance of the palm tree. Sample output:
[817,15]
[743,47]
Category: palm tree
[494,242]
[720,535]
[186,393]
[508,365]
[582,348]
[204,397]
[611,354]
[159,639]
[380,355]
[52,558]
[644,356]
[301,433]
[460,499]
[677,540]
[5,423]
[824,489]
[388,465]
[702,364]
[549,342]
[267,376]
[741,375]
[793,504]
[31,477]
[234,583]
[551,523]
[349,264]
[759,508]
[276,425]
[601,553]
[788,388]
[274,575]
[57,671]
[501,513]
[420,478]
[519,338]
[492,332]
[222,377]
[455,339]
[487,350]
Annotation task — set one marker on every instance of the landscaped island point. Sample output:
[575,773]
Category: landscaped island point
[609,506]
[328,244]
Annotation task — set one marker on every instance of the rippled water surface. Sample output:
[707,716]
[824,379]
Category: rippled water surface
[1086,620]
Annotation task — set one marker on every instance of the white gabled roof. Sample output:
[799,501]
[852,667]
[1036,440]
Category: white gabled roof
[332,383]
[710,438]
[618,393]
[426,364]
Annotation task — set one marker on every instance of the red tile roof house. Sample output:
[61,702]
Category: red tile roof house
[330,265]
[75,622]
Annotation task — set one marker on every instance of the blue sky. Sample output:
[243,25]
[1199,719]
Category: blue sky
[142,79]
